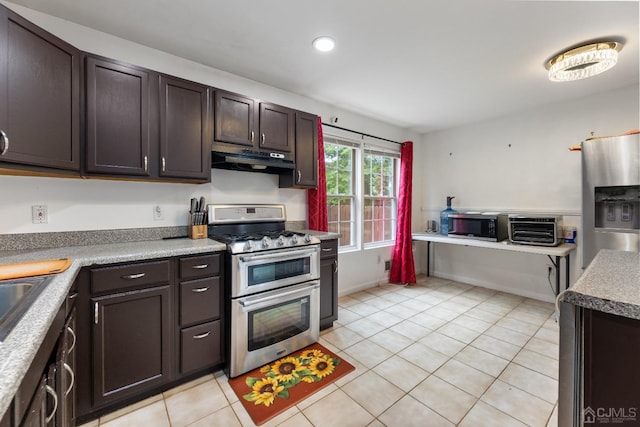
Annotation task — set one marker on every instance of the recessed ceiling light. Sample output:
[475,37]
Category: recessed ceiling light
[324,43]
[584,61]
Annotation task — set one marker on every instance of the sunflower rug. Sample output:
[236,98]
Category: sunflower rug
[266,392]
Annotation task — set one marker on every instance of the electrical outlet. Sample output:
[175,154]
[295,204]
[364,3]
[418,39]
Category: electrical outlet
[39,214]
[387,265]
[158,213]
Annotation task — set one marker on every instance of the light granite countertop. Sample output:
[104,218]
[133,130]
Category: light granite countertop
[611,284]
[322,235]
[19,347]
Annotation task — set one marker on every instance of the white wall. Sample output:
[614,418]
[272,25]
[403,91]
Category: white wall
[80,204]
[515,163]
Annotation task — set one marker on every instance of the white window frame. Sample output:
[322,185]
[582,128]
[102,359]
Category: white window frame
[391,150]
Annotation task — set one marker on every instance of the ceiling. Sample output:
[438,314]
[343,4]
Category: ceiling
[417,64]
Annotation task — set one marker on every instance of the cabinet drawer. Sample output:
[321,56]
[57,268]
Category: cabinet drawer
[199,300]
[200,346]
[129,276]
[199,266]
[329,248]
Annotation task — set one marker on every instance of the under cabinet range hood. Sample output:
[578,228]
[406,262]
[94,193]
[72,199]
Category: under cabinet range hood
[252,160]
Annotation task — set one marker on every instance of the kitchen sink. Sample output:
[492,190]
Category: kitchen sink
[16,296]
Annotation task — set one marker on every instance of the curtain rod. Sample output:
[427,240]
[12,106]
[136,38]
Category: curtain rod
[360,133]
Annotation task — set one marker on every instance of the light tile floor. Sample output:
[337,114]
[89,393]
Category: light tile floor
[439,353]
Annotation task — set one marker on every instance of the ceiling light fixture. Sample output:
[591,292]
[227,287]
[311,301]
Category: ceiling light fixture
[324,43]
[584,61]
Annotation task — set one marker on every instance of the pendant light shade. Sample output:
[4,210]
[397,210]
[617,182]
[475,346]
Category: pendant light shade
[584,61]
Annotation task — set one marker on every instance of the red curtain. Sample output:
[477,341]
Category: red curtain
[317,199]
[402,268]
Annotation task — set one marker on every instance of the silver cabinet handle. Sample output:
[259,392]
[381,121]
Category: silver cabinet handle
[335,266]
[73,343]
[133,276]
[199,290]
[146,164]
[199,337]
[53,394]
[164,164]
[5,142]
[252,135]
[95,313]
[326,249]
[73,378]
[299,176]
[200,267]
[262,139]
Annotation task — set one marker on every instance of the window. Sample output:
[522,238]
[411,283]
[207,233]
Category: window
[362,184]
[340,166]
[379,197]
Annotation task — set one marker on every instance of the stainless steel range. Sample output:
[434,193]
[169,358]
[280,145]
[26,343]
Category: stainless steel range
[272,291]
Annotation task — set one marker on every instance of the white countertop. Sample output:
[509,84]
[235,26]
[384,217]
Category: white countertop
[560,250]
[19,347]
[611,284]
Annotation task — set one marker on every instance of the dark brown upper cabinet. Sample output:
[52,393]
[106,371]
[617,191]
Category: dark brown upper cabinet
[185,141]
[235,118]
[247,122]
[118,120]
[305,175]
[39,97]
[277,126]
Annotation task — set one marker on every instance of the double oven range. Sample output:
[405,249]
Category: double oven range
[272,287]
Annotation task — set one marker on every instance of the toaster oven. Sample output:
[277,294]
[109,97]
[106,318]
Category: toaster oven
[540,230]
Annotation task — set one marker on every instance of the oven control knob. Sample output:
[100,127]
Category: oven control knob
[266,242]
[307,238]
[294,240]
[280,241]
[249,245]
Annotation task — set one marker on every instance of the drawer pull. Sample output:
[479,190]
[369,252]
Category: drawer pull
[327,249]
[198,290]
[5,143]
[53,394]
[199,337]
[73,343]
[133,276]
[95,313]
[200,267]
[73,378]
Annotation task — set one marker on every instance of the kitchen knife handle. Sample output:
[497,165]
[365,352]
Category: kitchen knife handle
[5,142]
[133,276]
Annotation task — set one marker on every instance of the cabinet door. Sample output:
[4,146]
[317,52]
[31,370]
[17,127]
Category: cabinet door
[131,343]
[328,292]
[118,123]
[305,174]
[276,127]
[185,144]
[235,119]
[37,413]
[39,96]
[66,373]
[200,346]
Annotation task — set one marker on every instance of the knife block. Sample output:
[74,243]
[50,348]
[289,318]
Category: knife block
[197,231]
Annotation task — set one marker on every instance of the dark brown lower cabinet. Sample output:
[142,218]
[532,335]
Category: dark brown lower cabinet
[328,283]
[200,346]
[611,373]
[131,342]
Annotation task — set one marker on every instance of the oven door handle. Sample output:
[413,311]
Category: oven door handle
[283,255]
[251,302]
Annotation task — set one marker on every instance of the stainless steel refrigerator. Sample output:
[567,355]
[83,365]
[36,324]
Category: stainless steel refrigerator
[610,195]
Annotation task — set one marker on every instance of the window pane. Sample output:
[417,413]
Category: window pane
[345,209]
[344,182]
[389,231]
[332,181]
[345,155]
[332,209]
[368,209]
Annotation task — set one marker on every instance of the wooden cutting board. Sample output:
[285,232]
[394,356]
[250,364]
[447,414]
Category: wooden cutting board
[33,268]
